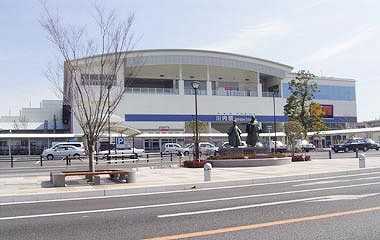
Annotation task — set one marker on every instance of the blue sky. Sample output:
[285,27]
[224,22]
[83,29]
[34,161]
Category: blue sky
[333,37]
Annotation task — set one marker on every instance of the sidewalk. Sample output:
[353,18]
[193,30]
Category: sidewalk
[30,188]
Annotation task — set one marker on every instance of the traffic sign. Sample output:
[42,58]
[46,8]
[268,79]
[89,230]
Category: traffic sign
[120,140]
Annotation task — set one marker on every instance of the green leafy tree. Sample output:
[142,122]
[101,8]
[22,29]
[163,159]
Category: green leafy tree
[293,131]
[300,106]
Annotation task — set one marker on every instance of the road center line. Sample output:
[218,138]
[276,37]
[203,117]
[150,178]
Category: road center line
[184,191]
[263,225]
[179,203]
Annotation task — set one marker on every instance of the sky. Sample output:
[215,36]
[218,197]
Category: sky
[328,37]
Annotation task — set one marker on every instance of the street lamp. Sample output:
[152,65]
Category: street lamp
[109,120]
[195,86]
[274,93]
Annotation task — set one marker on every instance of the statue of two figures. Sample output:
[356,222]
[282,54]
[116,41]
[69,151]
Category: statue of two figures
[234,133]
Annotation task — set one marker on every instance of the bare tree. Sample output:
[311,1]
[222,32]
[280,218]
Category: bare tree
[92,86]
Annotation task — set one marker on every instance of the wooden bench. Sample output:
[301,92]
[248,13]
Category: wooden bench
[58,178]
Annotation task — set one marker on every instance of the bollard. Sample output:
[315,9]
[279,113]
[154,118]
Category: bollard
[356,153]
[41,161]
[329,154]
[67,161]
[147,158]
[171,157]
[11,161]
[362,158]
[207,172]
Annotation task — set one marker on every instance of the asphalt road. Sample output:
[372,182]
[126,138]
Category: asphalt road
[341,207]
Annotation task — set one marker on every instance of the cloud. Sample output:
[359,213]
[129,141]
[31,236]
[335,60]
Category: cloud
[356,38]
[250,37]
[310,5]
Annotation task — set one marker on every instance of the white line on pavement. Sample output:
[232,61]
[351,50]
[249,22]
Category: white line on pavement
[183,191]
[327,198]
[179,203]
[334,181]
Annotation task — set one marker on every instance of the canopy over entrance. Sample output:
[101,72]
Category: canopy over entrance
[118,125]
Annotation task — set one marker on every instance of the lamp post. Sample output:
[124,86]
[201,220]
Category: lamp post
[109,121]
[195,85]
[275,91]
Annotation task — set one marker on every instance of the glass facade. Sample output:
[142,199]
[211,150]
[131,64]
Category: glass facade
[328,92]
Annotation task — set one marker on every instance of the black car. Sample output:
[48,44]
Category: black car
[358,144]
[372,144]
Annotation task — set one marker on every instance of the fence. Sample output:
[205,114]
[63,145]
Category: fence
[126,160]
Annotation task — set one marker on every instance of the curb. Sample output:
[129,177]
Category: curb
[179,187]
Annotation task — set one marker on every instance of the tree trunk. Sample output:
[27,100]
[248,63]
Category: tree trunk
[91,157]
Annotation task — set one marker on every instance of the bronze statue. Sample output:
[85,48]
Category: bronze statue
[252,129]
[234,138]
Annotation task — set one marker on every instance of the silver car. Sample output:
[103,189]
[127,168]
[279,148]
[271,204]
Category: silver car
[60,152]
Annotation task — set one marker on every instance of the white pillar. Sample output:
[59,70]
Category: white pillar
[259,86]
[281,88]
[208,83]
[181,84]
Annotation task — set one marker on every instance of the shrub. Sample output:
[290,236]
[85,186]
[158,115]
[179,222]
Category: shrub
[299,158]
[194,164]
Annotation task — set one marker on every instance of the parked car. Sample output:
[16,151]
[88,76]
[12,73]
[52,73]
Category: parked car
[280,147]
[355,144]
[126,150]
[75,144]
[227,145]
[60,152]
[304,145]
[372,144]
[205,148]
[175,148]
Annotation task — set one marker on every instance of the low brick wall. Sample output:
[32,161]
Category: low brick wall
[250,162]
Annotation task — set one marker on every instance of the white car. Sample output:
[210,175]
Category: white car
[126,151]
[280,147]
[205,148]
[304,145]
[175,148]
[227,145]
[60,152]
[75,144]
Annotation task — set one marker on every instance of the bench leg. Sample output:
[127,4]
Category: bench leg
[58,180]
[122,177]
[96,180]
[131,177]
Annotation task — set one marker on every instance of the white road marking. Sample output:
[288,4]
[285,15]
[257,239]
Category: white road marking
[183,191]
[344,197]
[334,181]
[180,203]
[237,208]
[314,199]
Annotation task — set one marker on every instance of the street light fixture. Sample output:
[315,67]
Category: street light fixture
[195,86]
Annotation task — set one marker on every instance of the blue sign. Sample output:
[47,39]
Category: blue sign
[120,140]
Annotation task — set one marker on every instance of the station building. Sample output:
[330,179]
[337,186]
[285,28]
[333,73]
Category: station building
[160,98]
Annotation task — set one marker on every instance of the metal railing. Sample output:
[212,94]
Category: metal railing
[152,91]
[191,91]
[125,160]
[236,93]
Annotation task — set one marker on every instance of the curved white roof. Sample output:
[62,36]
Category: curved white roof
[204,57]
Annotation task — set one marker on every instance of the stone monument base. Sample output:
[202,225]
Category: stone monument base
[241,153]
